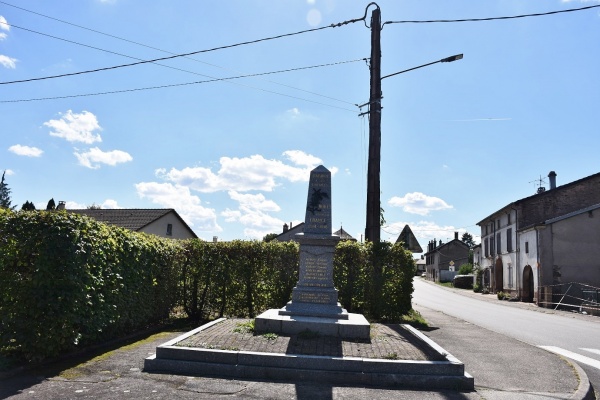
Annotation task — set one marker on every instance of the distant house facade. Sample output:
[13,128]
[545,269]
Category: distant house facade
[164,222]
[290,231]
[549,238]
[442,258]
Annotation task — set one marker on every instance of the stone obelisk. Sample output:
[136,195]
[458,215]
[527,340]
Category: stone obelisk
[314,305]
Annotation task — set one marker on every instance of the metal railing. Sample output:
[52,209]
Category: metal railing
[572,296]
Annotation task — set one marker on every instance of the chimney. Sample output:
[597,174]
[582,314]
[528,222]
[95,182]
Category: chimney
[215,239]
[285,228]
[552,177]
[61,205]
[455,235]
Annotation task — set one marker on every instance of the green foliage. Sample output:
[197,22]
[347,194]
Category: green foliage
[28,206]
[5,201]
[67,280]
[465,269]
[51,206]
[503,296]
[467,239]
[374,279]
[269,236]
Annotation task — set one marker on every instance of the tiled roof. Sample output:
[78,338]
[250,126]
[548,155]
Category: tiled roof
[343,234]
[130,218]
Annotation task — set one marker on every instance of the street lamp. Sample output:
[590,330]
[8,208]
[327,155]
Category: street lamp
[373,225]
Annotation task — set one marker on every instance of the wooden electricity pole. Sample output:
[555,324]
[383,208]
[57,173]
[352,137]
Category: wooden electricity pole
[373,228]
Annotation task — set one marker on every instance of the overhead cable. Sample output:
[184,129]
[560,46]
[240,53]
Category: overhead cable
[200,82]
[490,18]
[184,54]
[149,47]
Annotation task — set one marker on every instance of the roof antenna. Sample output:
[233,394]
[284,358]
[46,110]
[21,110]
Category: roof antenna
[539,183]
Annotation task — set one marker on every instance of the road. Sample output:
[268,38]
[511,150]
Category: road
[573,336]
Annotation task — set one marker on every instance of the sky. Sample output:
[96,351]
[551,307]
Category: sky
[233,157]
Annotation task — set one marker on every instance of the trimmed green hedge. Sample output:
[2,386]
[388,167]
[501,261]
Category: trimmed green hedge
[67,280]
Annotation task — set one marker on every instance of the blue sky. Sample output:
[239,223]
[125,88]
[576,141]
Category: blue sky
[459,140]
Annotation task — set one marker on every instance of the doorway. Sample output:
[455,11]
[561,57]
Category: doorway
[527,285]
[498,276]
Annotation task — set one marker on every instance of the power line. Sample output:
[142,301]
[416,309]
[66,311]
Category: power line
[149,47]
[200,82]
[491,18]
[185,54]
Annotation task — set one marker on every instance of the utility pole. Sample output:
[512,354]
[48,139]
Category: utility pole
[373,227]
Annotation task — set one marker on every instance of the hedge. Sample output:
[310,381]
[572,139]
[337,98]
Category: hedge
[67,280]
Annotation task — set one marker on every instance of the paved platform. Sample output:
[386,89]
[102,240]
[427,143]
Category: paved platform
[394,356]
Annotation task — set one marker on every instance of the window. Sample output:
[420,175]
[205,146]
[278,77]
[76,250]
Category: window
[508,218]
[510,276]
[486,231]
[486,246]
[498,224]
[498,243]
[527,247]
[169,229]
[509,240]
[492,245]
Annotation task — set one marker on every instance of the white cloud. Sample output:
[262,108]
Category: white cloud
[94,157]
[4,26]
[8,172]
[179,197]
[244,174]
[110,204]
[73,205]
[76,127]
[419,203]
[8,62]
[25,151]
[253,214]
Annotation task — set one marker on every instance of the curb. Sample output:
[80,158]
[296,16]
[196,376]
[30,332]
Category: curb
[446,374]
[584,391]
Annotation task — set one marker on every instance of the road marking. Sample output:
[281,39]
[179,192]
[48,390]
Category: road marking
[595,351]
[574,356]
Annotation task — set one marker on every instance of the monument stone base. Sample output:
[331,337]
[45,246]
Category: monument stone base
[353,326]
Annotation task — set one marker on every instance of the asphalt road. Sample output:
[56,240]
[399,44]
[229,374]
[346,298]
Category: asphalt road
[571,335]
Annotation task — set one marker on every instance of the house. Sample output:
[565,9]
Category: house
[543,240]
[409,241]
[443,259]
[163,222]
[344,235]
[290,231]
[420,266]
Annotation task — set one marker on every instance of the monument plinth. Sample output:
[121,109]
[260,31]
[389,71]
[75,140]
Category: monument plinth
[314,305]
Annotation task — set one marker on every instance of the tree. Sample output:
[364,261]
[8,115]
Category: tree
[467,239]
[51,205]
[269,236]
[94,206]
[28,206]
[5,195]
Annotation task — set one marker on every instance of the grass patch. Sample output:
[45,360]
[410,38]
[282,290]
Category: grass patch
[445,284]
[414,319]
[391,356]
[244,327]
[270,336]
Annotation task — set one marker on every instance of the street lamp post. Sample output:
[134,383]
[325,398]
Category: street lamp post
[373,225]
